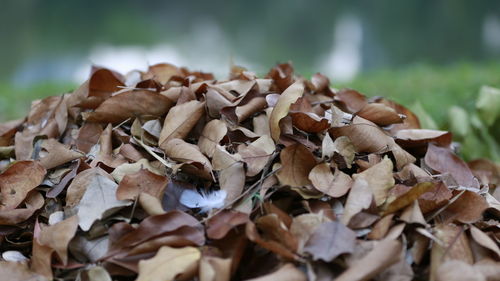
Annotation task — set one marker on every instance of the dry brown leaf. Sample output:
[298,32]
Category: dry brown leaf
[255,157]
[344,147]
[412,173]
[459,271]
[180,120]
[368,137]
[55,154]
[360,197]
[217,99]
[416,140]
[98,201]
[352,100]
[486,171]
[282,75]
[17,181]
[142,181]
[219,225]
[297,161]
[380,114]
[248,106]
[232,181]
[162,72]
[410,122]
[170,264]
[261,124]
[257,154]
[402,270]
[58,236]
[320,82]
[384,254]
[274,226]
[80,183]
[88,136]
[181,237]
[131,153]
[8,130]
[221,138]
[212,134]
[468,208]
[309,122]
[100,86]
[381,228]
[215,269]
[272,245]
[190,154]
[33,202]
[444,161]
[18,271]
[334,184]
[132,168]
[413,214]
[408,197]
[304,225]
[453,245]
[106,154]
[435,198]
[379,178]
[41,258]
[251,101]
[151,205]
[222,159]
[289,96]
[287,272]
[120,107]
[484,240]
[48,116]
[240,87]
[488,268]
[155,226]
[329,240]
[103,82]
[98,273]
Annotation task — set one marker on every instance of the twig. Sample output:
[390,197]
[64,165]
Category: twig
[322,102]
[148,150]
[119,125]
[446,206]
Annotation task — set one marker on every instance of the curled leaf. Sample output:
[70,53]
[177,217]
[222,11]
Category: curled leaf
[289,96]
[334,184]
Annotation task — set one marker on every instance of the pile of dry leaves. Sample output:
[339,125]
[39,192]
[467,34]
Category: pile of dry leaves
[170,174]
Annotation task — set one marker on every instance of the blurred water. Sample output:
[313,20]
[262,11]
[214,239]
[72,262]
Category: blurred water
[343,61]
[207,49]
[491,33]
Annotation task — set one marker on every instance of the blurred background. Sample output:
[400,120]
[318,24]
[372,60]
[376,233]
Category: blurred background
[432,56]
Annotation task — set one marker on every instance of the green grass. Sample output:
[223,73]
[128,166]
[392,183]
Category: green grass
[15,100]
[435,88]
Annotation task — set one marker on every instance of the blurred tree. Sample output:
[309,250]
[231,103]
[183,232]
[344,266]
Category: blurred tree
[395,32]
